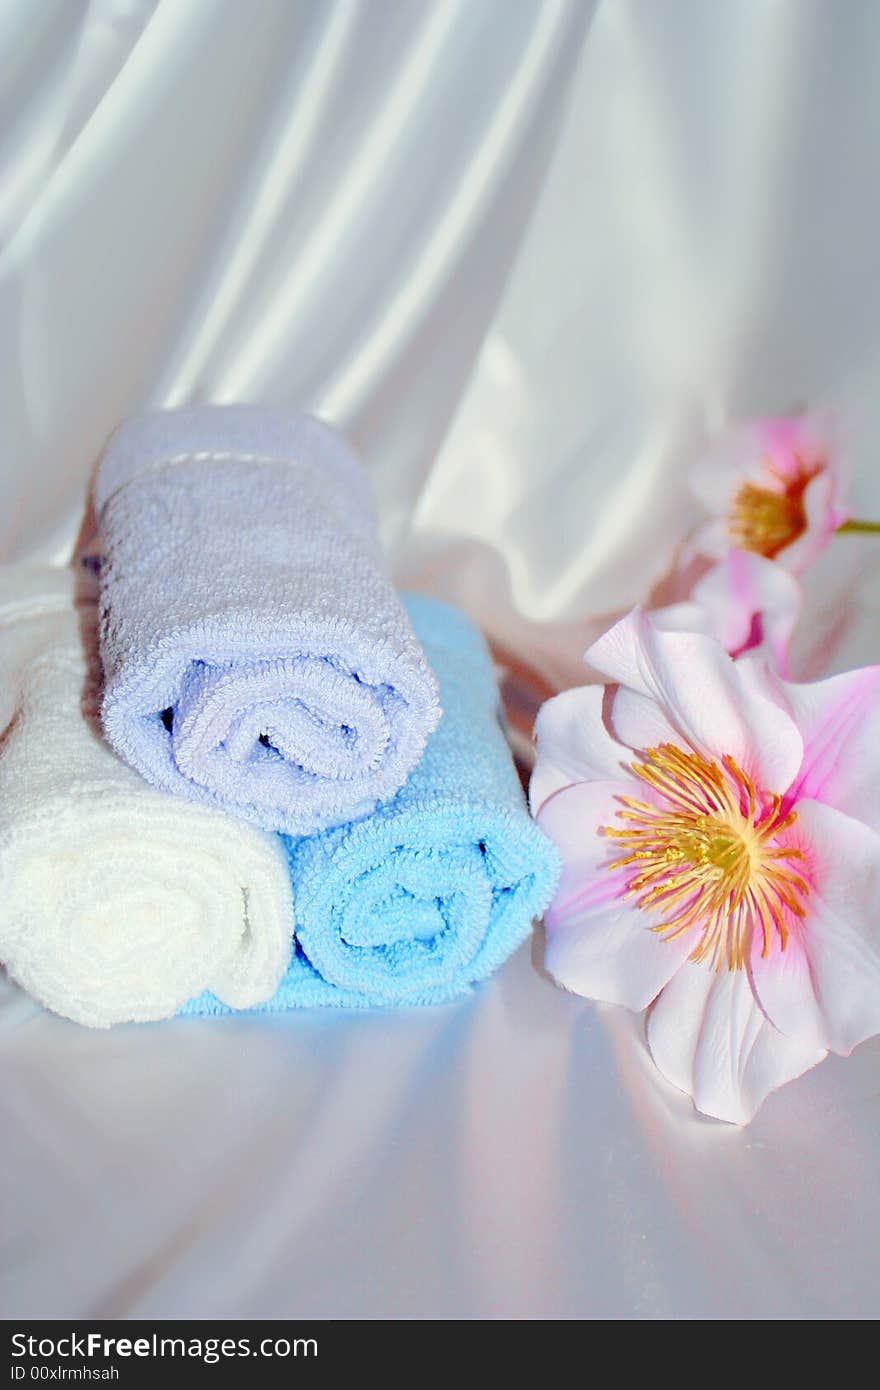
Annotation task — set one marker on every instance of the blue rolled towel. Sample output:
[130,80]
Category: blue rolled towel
[256,656]
[437,887]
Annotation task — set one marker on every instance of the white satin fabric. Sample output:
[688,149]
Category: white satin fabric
[530,257]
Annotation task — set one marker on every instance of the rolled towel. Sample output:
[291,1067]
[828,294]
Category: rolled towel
[256,656]
[117,902]
[437,887]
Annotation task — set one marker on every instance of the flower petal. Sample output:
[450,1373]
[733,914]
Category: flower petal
[709,1038]
[839,720]
[789,443]
[725,465]
[610,954]
[639,722]
[711,540]
[745,587]
[741,601]
[783,987]
[573,743]
[598,944]
[698,688]
[574,816]
[822,520]
[825,987]
[685,616]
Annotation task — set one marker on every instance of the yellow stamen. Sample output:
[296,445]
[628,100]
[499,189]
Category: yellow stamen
[766,520]
[706,857]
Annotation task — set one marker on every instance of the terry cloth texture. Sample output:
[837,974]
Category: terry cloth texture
[255,653]
[117,902]
[436,888]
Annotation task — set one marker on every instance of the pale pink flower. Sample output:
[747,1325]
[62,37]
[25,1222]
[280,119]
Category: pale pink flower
[747,603]
[772,487]
[719,835]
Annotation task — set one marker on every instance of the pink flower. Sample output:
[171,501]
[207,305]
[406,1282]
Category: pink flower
[773,488]
[746,602]
[719,835]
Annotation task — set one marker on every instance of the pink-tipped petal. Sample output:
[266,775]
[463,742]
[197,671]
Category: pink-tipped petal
[825,987]
[839,720]
[780,438]
[746,587]
[573,743]
[699,690]
[793,443]
[745,602]
[709,1038]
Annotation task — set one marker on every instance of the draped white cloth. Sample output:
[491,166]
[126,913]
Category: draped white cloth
[530,256]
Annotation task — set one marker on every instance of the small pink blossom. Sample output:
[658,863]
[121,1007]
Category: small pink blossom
[720,836]
[773,487]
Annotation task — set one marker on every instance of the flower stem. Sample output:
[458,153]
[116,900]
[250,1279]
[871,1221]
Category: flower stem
[860,528]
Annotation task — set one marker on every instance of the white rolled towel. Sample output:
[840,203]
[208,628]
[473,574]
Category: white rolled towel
[118,902]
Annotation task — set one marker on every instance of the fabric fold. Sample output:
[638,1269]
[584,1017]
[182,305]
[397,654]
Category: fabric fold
[256,655]
[117,902]
[434,890]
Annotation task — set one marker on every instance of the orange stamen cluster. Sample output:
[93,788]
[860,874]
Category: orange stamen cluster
[705,856]
[766,520]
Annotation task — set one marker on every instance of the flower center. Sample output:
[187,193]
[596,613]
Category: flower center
[766,520]
[706,857]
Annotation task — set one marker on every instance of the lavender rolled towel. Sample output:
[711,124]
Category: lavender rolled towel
[255,654]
